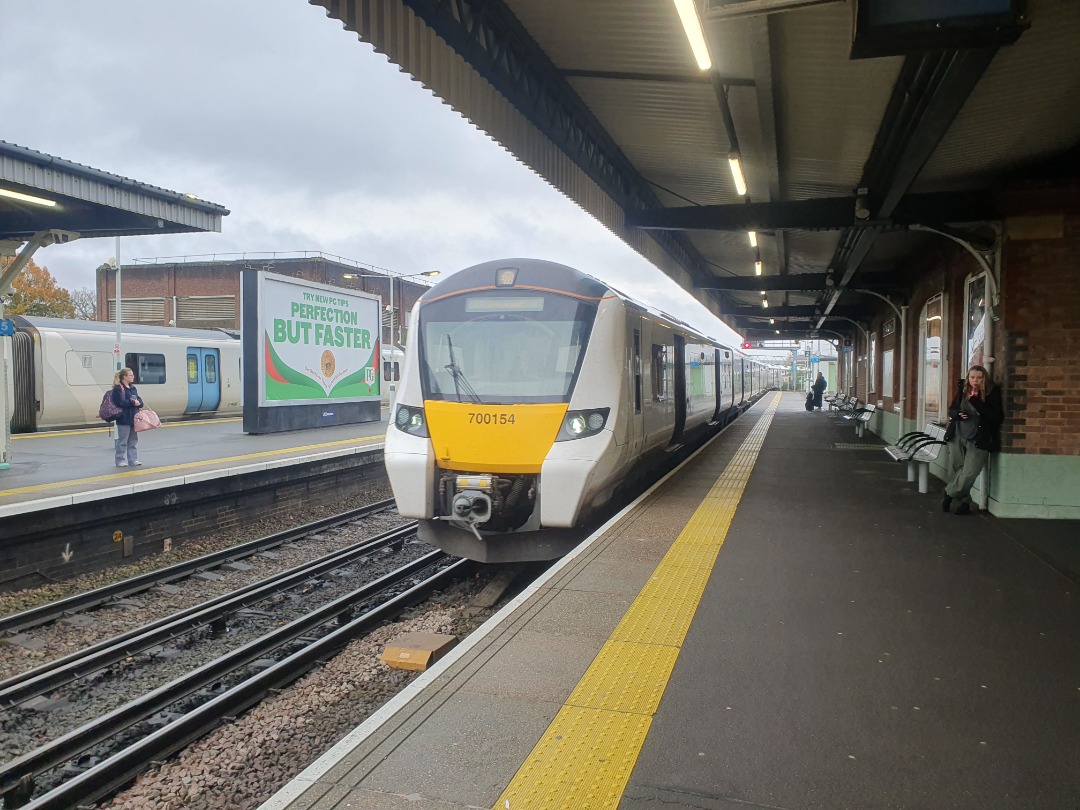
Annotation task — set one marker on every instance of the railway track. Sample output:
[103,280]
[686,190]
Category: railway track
[28,619]
[169,717]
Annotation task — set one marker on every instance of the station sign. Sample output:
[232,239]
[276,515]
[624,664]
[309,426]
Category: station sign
[7,327]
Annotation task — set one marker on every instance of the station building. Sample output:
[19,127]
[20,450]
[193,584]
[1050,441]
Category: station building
[1005,296]
[204,292]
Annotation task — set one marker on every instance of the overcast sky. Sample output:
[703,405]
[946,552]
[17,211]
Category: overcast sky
[312,140]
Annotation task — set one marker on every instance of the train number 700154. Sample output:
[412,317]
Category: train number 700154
[491,418]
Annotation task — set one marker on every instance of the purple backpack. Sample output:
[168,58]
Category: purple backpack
[108,410]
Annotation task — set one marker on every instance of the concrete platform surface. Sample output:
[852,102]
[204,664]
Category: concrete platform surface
[784,623]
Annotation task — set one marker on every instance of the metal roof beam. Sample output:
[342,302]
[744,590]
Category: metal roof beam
[802,281]
[806,311]
[928,95]
[799,282]
[668,78]
[829,213]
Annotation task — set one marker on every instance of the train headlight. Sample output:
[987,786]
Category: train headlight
[411,420]
[580,424]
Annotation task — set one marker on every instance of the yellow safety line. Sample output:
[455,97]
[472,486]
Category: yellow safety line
[52,434]
[585,757]
[186,466]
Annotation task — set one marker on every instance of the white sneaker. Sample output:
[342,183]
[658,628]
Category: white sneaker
[136,464]
[121,464]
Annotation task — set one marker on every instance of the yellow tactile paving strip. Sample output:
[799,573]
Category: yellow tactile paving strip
[587,754]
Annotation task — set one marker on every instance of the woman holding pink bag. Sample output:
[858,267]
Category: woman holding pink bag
[126,397]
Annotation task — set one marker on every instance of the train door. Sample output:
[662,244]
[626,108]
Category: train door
[24,412]
[204,381]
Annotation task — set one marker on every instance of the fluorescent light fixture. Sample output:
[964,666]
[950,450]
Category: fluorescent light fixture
[753,238]
[691,23]
[735,162]
[757,267]
[15,195]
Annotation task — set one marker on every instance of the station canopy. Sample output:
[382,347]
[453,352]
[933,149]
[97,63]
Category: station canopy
[856,124]
[56,200]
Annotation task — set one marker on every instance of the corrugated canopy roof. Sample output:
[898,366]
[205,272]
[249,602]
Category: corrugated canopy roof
[605,100]
[90,202]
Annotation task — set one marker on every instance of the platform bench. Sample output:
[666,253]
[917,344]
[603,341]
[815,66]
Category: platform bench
[919,449]
[843,405]
[837,401]
[860,416]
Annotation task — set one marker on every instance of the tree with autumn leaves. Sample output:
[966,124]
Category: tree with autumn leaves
[35,292]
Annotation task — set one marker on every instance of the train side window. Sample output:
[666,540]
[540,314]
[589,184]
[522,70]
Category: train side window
[192,369]
[210,368]
[390,371]
[149,369]
[659,371]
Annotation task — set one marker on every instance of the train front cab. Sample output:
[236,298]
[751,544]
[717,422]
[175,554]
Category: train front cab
[486,411]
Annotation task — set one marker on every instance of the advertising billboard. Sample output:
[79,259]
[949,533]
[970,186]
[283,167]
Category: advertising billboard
[311,353]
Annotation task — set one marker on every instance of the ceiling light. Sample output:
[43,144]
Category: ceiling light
[691,23]
[735,162]
[772,320]
[757,267]
[764,302]
[753,238]
[15,195]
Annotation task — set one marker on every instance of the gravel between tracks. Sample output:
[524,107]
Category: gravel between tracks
[239,766]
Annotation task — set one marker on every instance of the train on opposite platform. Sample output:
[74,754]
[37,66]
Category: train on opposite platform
[60,369]
[532,394]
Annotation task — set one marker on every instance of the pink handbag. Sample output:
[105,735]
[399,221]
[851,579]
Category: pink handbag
[146,419]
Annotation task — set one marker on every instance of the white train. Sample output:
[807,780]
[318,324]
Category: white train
[61,368]
[532,393]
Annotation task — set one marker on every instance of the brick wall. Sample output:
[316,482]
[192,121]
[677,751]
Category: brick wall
[194,279]
[1041,342]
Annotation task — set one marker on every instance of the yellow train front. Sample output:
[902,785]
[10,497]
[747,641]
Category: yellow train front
[530,393]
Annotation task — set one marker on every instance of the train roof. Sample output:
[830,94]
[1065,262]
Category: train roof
[34,322]
[547,275]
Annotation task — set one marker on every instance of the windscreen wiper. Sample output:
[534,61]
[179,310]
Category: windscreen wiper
[460,383]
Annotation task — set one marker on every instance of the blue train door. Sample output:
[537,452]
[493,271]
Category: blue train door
[204,382]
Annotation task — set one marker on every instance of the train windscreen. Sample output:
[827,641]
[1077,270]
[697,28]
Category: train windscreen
[503,346]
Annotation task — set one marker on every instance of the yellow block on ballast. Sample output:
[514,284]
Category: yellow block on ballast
[417,650]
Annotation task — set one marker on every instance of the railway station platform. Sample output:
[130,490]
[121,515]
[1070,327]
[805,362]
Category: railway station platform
[783,622]
[66,509]
[63,467]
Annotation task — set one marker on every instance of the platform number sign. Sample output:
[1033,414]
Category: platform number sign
[7,327]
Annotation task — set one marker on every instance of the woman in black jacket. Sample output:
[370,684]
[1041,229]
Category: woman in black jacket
[974,432]
[126,397]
